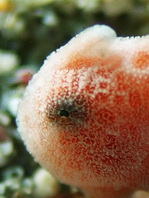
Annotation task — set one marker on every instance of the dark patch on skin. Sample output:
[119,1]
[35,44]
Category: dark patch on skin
[68,111]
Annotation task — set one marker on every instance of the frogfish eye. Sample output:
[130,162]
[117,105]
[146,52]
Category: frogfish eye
[64,113]
[73,108]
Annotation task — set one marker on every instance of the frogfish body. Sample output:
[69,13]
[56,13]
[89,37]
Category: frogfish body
[85,114]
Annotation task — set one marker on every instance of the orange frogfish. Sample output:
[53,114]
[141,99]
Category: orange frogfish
[85,114]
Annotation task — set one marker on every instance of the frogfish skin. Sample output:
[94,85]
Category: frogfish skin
[85,114]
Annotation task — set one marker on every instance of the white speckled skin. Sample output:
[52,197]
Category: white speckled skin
[102,82]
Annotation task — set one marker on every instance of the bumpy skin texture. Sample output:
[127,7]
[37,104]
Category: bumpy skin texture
[85,114]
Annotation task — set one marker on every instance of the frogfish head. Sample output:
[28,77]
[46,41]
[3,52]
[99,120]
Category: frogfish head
[85,114]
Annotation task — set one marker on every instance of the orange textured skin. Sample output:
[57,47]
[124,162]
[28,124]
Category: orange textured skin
[104,142]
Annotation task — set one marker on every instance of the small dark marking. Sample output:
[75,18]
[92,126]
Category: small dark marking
[64,113]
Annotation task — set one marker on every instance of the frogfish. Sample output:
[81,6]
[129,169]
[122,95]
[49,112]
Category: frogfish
[85,114]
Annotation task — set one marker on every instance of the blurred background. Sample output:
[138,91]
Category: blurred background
[29,31]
